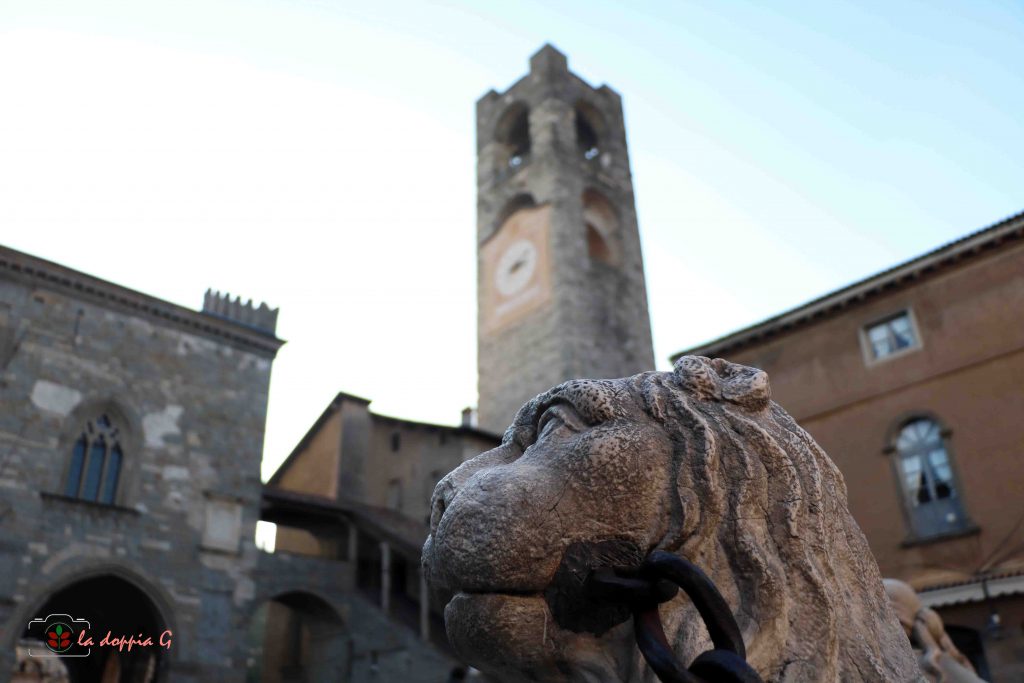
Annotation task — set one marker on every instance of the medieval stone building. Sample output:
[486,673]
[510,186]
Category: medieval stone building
[131,433]
[911,381]
[131,437]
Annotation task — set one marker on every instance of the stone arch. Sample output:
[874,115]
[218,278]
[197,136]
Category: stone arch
[523,200]
[297,634]
[512,132]
[601,222]
[111,597]
[131,439]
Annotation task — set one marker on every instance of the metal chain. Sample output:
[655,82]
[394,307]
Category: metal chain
[657,580]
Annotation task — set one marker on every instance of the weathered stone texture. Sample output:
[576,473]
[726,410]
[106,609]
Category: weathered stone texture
[698,462]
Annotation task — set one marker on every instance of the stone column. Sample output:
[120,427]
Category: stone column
[424,607]
[353,543]
[7,664]
[385,576]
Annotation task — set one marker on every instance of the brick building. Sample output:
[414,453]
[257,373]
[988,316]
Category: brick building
[911,381]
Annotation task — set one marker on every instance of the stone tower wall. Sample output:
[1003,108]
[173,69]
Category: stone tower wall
[596,323]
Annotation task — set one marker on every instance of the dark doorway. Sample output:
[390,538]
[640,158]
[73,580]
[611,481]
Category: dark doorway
[110,605]
[968,641]
[298,638]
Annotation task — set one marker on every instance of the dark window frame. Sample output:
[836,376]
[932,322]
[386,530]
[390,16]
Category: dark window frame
[96,466]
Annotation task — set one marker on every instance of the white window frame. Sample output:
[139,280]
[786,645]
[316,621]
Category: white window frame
[867,348]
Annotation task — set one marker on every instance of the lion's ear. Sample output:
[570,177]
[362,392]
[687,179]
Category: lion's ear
[721,380]
[747,387]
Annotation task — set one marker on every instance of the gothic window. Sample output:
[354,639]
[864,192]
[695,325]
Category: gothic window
[926,476]
[96,460]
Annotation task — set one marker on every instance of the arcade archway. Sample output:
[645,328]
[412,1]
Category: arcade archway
[297,637]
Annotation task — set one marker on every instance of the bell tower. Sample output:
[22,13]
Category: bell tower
[560,277]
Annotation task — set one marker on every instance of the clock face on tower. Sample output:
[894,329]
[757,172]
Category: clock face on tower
[516,275]
[516,267]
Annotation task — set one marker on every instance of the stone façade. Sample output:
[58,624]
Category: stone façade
[188,392]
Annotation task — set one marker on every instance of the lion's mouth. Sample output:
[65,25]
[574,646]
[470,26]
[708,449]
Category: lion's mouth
[510,593]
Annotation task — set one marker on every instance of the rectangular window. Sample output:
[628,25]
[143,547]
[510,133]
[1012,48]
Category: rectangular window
[891,336]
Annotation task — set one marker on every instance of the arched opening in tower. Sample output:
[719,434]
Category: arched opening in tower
[513,132]
[589,129]
[602,227]
[597,247]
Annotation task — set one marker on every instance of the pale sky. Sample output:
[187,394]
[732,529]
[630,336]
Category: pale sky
[320,156]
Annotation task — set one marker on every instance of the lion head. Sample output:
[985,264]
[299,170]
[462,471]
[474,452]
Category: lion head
[698,462]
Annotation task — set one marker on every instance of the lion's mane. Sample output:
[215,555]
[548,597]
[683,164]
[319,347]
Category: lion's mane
[762,509]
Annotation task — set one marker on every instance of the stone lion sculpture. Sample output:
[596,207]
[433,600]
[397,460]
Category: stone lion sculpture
[938,657]
[698,462]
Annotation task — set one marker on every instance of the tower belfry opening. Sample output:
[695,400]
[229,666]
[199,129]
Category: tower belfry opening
[587,137]
[514,133]
[560,278]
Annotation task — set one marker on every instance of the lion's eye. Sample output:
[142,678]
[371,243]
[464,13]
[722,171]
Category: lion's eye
[547,424]
[556,416]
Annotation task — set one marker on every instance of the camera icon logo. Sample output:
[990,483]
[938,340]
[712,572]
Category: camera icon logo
[59,633]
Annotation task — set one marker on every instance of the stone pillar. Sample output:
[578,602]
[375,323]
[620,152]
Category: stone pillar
[7,664]
[424,607]
[353,544]
[385,576]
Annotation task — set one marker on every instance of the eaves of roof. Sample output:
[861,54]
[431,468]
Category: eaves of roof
[984,241]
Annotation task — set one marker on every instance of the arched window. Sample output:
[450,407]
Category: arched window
[513,131]
[590,127]
[929,484]
[96,459]
[602,227]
